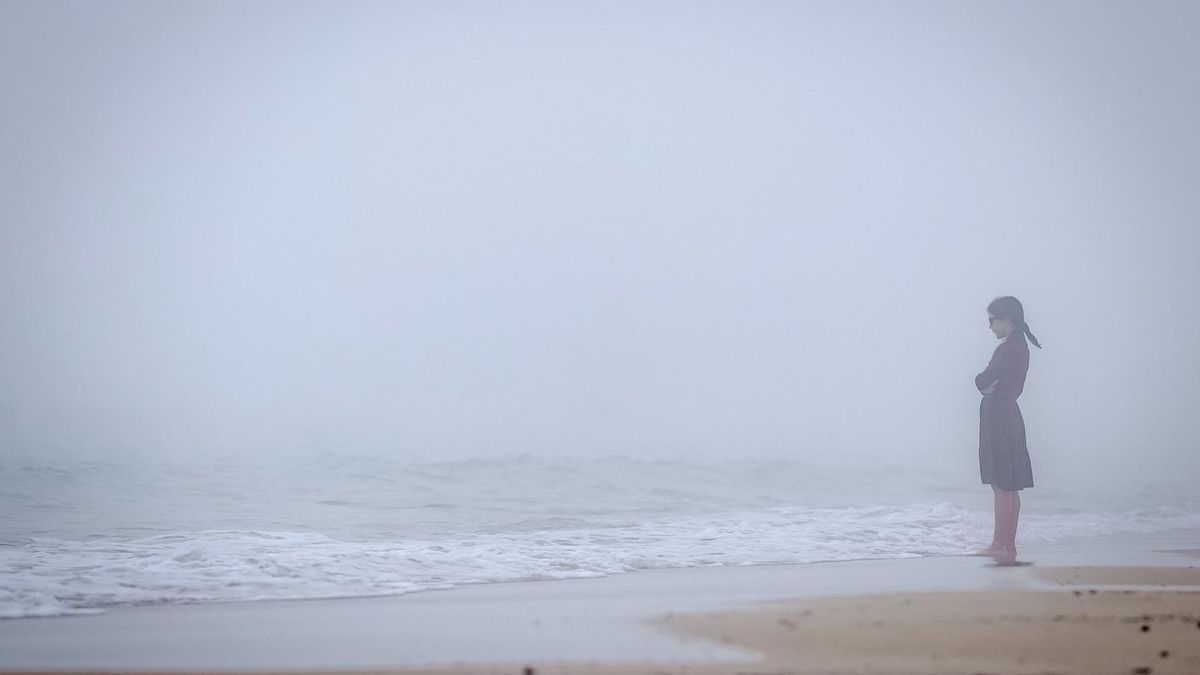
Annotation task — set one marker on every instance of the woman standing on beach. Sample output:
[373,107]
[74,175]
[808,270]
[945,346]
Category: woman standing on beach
[1003,454]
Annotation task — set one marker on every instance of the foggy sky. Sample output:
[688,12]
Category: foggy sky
[437,229]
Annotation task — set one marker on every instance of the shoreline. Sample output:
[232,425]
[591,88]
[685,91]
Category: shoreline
[1145,544]
[628,623]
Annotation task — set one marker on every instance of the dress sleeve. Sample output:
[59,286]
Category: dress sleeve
[996,369]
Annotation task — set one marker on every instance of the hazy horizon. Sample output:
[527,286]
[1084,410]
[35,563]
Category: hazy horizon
[662,230]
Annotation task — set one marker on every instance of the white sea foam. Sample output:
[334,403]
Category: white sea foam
[161,535]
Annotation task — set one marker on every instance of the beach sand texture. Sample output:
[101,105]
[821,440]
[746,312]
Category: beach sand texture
[1090,628]
[1078,631]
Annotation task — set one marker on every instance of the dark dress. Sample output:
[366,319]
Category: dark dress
[1003,453]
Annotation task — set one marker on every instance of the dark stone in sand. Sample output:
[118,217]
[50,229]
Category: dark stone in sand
[1145,628]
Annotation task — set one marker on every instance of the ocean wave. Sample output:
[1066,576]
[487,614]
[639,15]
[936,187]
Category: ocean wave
[49,576]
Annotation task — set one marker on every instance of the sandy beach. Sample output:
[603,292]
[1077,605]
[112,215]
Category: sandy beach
[1095,631]
[921,615]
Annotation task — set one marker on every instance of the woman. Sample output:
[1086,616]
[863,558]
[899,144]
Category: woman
[1003,454]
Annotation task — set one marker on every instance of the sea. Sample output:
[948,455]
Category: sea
[83,535]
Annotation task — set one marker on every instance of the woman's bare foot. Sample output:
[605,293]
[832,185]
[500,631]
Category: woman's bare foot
[1005,556]
[990,551]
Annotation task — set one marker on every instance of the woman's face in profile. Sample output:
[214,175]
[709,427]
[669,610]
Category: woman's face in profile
[1002,328]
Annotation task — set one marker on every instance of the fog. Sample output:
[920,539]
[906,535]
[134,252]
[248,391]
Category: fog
[436,230]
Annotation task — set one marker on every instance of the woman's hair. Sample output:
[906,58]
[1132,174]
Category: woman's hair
[1010,308]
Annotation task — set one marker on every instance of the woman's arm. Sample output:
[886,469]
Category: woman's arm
[987,381]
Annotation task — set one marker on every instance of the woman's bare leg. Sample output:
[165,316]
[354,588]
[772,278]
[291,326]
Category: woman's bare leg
[1000,506]
[1014,515]
[1008,503]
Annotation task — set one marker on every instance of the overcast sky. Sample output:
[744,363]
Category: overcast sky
[676,229]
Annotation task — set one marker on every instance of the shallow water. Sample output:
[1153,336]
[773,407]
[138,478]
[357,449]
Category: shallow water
[79,536]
